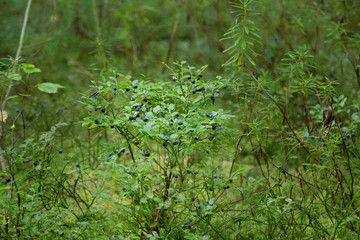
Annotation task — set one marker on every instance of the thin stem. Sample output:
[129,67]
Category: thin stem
[18,50]
[284,115]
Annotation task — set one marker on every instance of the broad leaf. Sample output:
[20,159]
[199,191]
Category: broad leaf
[49,87]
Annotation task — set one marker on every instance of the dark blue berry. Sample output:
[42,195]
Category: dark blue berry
[96,120]
[146,153]
[188,171]
[217,91]
[166,138]
[110,154]
[180,122]
[7,179]
[175,142]
[35,163]
[170,133]
[128,172]
[145,119]
[60,151]
[165,144]
[221,127]
[226,187]
[127,89]
[77,164]
[199,206]
[176,176]
[137,109]
[103,110]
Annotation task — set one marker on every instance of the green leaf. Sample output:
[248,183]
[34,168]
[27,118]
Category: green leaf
[171,107]
[24,95]
[30,68]
[12,97]
[15,76]
[157,109]
[244,44]
[250,60]
[49,87]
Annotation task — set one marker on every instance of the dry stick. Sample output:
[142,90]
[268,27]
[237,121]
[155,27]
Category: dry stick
[2,161]
[283,113]
[309,115]
[18,50]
